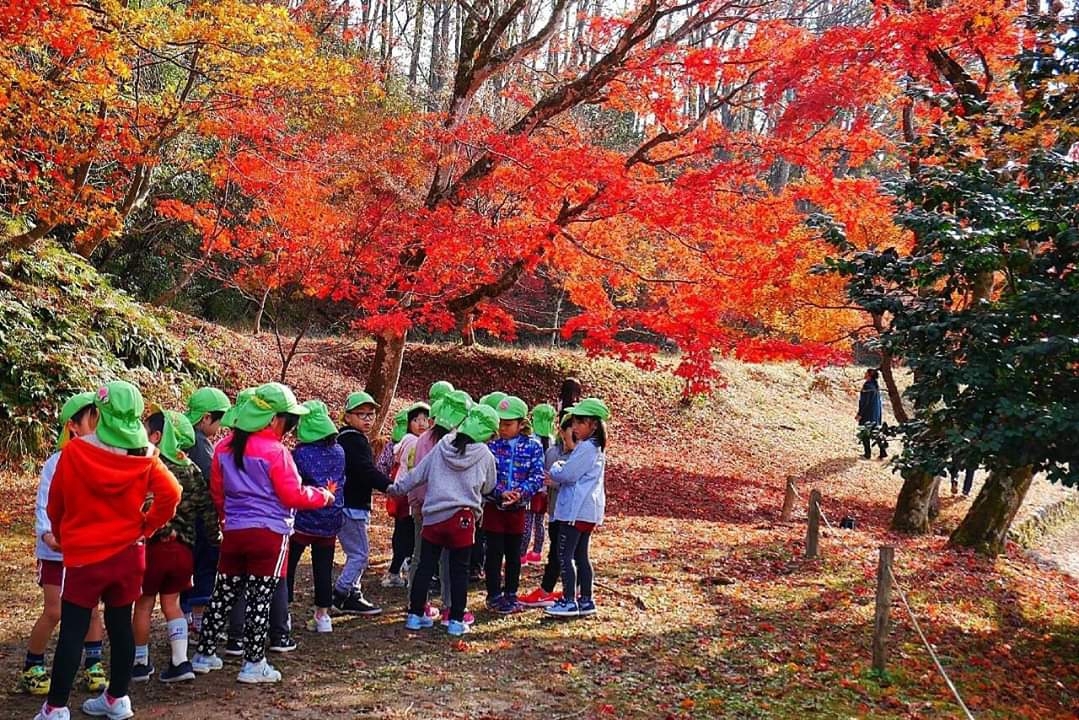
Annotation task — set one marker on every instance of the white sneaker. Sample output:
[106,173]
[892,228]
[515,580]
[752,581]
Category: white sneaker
[118,709]
[60,713]
[260,672]
[404,567]
[203,664]
[320,623]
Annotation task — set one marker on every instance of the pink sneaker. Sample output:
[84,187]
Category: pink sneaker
[430,611]
[535,558]
[468,619]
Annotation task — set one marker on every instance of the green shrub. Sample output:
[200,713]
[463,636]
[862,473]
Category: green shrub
[64,329]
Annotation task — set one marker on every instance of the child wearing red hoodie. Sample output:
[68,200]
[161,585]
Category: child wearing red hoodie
[95,507]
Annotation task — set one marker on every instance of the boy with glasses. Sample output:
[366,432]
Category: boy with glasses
[361,478]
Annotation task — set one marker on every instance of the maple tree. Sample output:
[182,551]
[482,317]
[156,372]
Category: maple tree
[100,94]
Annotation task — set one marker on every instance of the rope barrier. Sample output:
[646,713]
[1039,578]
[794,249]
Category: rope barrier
[910,613]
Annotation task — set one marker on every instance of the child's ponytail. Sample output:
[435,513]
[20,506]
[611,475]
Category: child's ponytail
[599,437]
[461,442]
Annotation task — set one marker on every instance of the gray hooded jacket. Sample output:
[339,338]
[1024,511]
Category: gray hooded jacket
[454,481]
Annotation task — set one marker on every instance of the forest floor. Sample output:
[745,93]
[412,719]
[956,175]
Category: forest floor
[707,607]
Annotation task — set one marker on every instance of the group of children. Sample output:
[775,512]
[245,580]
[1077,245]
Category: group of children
[139,507]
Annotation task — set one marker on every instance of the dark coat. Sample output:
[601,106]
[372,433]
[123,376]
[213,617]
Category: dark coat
[870,407]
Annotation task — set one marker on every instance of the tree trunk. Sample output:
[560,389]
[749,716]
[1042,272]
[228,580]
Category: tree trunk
[466,328]
[985,528]
[385,372]
[417,42]
[915,499]
[261,311]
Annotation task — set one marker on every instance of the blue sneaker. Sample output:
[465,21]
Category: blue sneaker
[508,605]
[418,622]
[457,628]
[493,603]
[141,672]
[586,607]
[563,608]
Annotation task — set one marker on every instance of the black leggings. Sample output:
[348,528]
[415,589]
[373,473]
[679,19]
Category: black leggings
[74,622]
[503,546]
[458,580]
[404,542]
[553,570]
[573,549]
[321,569]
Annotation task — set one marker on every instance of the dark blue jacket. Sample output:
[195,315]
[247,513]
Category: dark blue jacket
[319,463]
[870,408]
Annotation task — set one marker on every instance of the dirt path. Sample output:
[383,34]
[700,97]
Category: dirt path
[1062,549]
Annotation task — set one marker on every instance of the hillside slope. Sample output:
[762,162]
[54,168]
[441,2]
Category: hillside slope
[723,456]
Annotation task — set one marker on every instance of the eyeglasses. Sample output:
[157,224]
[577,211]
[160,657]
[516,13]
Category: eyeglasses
[364,415]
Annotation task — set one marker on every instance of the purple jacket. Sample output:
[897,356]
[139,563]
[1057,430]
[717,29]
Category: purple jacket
[266,491]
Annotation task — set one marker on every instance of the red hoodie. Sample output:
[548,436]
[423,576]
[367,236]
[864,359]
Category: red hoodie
[96,499]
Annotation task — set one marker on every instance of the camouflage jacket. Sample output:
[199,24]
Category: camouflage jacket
[195,502]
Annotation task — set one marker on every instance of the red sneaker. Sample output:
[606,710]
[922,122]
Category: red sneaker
[538,599]
[535,558]
[525,560]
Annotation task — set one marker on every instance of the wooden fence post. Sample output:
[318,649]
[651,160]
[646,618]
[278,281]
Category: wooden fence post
[884,606]
[813,531]
[788,501]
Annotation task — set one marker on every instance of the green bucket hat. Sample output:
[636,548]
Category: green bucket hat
[206,400]
[74,404]
[119,405]
[177,435]
[316,424]
[590,407]
[438,391]
[491,400]
[480,423]
[543,416]
[229,418]
[452,409]
[267,401]
[400,426]
[359,398]
[512,408]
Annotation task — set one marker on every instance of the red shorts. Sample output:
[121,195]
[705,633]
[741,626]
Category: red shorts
[169,566]
[509,522]
[116,580]
[50,572]
[457,532]
[303,539]
[253,551]
[582,526]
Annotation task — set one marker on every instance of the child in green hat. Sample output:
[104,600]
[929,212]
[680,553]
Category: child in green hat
[256,489]
[580,505]
[457,473]
[169,552]
[206,409]
[96,501]
[321,462]
[78,417]
[361,479]
[414,422]
[448,410]
[544,596]
[520,476]
[534,532]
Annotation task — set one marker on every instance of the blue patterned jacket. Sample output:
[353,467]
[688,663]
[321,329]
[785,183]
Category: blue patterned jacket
[520,467]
